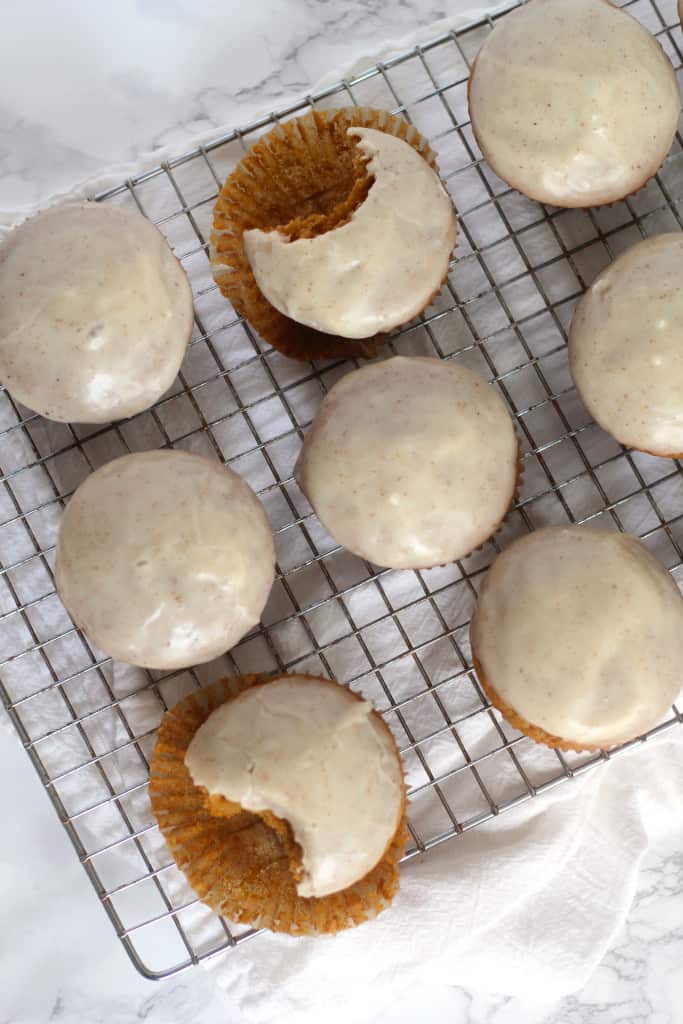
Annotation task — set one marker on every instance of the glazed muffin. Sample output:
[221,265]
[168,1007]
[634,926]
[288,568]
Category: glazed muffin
[626,347]
[578,637]
[283,802]
[333,230]
[164,559]
[410,463]
[95,313]
[573,103]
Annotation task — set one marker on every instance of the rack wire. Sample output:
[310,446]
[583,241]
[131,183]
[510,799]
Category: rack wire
[401,638]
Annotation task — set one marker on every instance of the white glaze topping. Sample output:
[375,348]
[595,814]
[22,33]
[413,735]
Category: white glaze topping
[580,631]
[164,559]
[381,268]
[315,755]
[626,346]
[95,313]
[573,102]
[410,463]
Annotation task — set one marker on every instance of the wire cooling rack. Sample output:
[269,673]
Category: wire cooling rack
[400,637]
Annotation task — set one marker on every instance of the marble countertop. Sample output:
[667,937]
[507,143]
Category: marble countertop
[89,86]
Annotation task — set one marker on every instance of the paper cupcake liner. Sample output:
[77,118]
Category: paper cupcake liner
[304,177]
[242,865]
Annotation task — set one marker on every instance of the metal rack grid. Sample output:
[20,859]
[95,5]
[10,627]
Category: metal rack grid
[400,637]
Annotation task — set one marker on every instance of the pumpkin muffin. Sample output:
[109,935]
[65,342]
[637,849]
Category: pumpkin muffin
[573,102]
[626,347]
[333,230]
[164,559]
[283,801]
[578,637]
[95,313]
[411,463]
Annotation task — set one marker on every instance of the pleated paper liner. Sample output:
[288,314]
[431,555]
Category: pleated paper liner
[242,865]
[304,178]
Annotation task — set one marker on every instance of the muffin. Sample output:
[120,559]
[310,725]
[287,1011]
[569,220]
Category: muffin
[626,347]
[410,463]
[164,559]
[578,637]
[573,103]
[283,802]
[333,230]
[95,313]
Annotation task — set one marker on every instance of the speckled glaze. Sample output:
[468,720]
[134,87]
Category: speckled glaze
[626,346]
[95,313]
[378,270]
[314,754]
[410,463]
[164,559]
[580,632]
[573,102]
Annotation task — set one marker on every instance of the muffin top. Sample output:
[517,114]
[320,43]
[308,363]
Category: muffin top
[95,313]
[164,559]
[626,346]
[410,463]
[573,102]
[580,631]
[379,269]
[317,756]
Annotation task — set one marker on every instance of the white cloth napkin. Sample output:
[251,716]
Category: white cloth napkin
[525,905]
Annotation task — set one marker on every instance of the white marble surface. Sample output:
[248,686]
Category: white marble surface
[87,86]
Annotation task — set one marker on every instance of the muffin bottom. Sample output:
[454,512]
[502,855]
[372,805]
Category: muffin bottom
[244,866]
